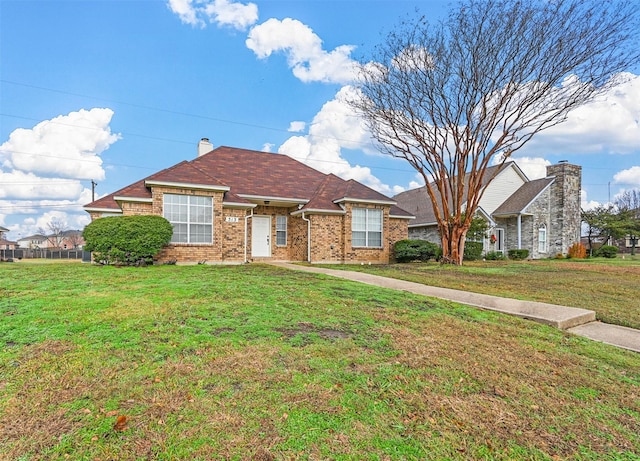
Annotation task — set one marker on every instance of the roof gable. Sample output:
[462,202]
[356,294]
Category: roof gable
[523,197]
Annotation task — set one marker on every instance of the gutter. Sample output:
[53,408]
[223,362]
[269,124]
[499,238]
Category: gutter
[308,237]
[246,227]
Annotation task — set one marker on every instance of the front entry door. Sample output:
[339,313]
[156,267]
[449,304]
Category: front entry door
[261,237]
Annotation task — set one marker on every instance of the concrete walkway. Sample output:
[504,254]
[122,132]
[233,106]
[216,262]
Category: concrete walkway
[575,320]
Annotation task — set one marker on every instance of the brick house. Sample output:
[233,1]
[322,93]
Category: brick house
[541,215]
[233,205]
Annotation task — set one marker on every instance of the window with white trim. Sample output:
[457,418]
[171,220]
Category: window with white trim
[191,217]
[542,239]
[366,227]
[281,231]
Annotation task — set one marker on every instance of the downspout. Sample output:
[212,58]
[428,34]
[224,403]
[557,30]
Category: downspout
[308,237]
[246,239]
[519,231]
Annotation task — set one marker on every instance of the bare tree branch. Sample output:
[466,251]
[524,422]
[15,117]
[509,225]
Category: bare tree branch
[452,97]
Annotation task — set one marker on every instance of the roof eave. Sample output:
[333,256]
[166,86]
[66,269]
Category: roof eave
[102,210]
[122,198]
[318,211]
[360,200]
[238,205]
[187,185]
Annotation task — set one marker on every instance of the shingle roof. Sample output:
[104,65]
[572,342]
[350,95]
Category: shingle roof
[250,173]
[418,203]
[519,201]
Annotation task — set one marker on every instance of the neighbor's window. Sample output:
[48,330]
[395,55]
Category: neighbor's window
[191,217]
[281,231]
[366,228]
[542,239]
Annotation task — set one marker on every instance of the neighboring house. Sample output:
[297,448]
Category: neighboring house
[71,240]
[542,215]
[4,243]
[235,205]
[34,242]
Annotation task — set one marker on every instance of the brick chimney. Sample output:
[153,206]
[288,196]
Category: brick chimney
[204,146]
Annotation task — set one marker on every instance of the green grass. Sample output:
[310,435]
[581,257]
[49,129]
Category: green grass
[609,287]
[255,362]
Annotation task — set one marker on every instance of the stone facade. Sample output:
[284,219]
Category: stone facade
[565,223]
[546,222]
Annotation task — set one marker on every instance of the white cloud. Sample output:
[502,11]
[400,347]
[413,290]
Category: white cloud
[303,49]
[185,11]
[43,168]
[609,125]
[268,147]
[629,176]
[27,186]
[66,146]
[533,167]
[333,128]
[237,15]
[587,204]
[240,16]
[297,127]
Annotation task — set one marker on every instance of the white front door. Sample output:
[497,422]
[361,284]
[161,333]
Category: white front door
[261,237]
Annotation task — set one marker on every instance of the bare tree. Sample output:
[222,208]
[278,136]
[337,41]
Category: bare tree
[454,97]
[629,200]
[54,232]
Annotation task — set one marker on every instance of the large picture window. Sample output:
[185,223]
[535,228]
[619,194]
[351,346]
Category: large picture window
[366,228]
[191,217]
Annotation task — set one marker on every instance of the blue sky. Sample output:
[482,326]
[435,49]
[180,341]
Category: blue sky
[114,90]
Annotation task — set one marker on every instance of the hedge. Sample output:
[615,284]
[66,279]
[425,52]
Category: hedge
[127,240]
[415,250]
[472,251]
[607,251]
[518,255]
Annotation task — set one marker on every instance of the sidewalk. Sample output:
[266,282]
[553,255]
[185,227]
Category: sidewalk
[575,320]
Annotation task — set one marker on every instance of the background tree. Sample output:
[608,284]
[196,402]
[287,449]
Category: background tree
[54,232]
[628,204]
[453,97]
[596,224]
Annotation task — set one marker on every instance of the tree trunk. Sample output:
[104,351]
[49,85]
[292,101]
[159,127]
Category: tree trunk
[453,239]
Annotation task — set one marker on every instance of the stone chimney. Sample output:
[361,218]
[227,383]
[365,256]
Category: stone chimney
[565,206]
[204,146]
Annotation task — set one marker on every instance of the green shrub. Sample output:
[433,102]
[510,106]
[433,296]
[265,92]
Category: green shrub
[127,240]
[494,256]
[472,251]
[416,250]
[607,251]
[518,255]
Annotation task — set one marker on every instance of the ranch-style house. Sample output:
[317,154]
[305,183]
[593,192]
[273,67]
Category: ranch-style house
[231,205]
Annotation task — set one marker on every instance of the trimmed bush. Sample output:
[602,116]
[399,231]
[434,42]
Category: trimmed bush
[518,255]
[577,251]
[472,251]
[494,256]
[127,240]
[415,250]
[607,251]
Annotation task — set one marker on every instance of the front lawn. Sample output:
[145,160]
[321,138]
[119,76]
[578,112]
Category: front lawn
[256,362]
[610,287]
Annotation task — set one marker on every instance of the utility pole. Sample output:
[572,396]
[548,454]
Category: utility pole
[93,190]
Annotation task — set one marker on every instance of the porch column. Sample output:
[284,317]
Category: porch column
[519,232]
